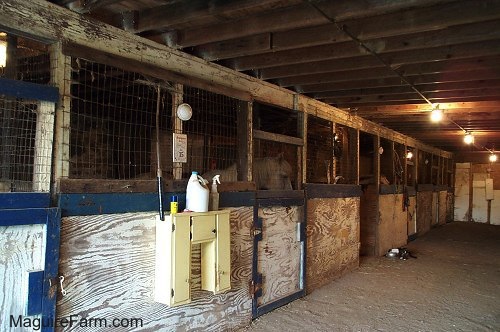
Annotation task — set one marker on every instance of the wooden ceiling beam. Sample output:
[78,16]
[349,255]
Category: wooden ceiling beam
[298,16]
[185,14]
[409,101]
[348,81]
[406,62]
[424,88]
[409,21]
[433,96]
[441,39]
[412,73]
[483,106]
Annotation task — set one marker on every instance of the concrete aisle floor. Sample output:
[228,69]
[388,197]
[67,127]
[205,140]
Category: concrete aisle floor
[453,285]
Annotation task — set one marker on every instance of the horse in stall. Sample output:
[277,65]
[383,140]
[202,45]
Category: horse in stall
[269,173]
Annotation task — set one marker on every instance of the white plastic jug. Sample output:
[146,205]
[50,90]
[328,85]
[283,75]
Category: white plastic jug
[197,194]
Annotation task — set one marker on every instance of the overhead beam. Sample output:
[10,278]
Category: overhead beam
[410,101]
[484,106]
[423,88]
[298,16]
[49,22]
[433,96]
[349,81]
[400,23]
[406,62]
[182,14]
[426,40]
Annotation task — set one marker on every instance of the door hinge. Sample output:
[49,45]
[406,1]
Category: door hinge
[256,287]
[255,231]
[172,293]
[173,227]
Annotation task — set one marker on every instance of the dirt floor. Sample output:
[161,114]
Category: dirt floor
[452,285]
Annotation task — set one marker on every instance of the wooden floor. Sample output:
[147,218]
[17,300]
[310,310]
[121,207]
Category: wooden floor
[452,285]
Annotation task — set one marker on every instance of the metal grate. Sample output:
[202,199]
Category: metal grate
[17,144]
[113,121]
[319,150]
[211,131]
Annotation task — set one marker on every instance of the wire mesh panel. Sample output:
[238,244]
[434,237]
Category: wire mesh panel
[275,161]
[367,157]
[346,155]
[113,122]
[399,163]
[212,133]
[17,144]
[27,60]
[319,150]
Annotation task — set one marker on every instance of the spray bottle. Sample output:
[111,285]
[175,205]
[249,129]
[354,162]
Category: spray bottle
[214,194]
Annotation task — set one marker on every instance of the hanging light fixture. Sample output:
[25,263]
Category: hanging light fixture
[3,53]
[493,158]
[409,155]
[468,138]
[436,114]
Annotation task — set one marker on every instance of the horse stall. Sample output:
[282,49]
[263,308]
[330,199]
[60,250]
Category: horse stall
[332,209]
[279,221]
[120,136]
[425,196]
[387,206]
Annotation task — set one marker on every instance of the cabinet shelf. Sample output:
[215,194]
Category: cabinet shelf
[174,238]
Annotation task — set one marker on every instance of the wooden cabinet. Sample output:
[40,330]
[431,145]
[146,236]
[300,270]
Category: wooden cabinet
[174,237]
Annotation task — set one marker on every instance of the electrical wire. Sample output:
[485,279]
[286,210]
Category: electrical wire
[343,28]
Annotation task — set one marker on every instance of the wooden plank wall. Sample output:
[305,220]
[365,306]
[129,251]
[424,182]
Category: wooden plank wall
[449,206]
[22,249]
[109,261]
[462,191]
[332,239]
[412,215]
[279,252]
[368,220]
[442,207]
[393,223]
[424,211]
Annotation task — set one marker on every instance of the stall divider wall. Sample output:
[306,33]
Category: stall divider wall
[333,228]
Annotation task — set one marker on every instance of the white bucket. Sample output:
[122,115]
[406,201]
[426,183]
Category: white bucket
[197,194]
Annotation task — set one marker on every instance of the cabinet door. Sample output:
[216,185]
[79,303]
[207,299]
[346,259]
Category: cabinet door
[181,261]
[223,253]
[203,228]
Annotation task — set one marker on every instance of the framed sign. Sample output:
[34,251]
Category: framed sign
[180,148]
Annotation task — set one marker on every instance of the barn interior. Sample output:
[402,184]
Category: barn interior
[319,115]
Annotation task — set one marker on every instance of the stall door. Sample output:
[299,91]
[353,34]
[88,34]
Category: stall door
[279,239]
[29,227]
[29,254]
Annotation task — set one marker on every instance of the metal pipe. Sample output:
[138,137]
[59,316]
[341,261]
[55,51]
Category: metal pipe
[158,155]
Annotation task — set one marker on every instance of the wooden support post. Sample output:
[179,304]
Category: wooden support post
[61,77]
[177,99]
[376,162]
[245,141]
[43,146]
[356,164]
[301,150]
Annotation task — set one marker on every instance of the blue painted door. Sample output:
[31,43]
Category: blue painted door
[29,245]
[29,226]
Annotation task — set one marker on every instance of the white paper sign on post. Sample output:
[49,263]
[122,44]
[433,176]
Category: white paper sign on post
[180,148]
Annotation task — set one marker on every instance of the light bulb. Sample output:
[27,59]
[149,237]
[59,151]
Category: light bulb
[468,138]
[493,158]
[409,155]
[436,115]
[184,112]
[3,54]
